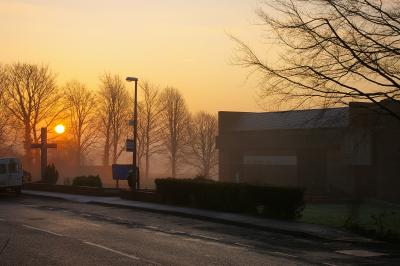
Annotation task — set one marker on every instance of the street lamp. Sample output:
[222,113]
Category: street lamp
[134,162]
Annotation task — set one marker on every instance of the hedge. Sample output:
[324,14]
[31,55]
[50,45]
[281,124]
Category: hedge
[87,181]
[269,201]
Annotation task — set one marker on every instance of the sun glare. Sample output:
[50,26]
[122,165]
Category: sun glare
[59,129]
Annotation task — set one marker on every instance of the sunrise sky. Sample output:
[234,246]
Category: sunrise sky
[180,43]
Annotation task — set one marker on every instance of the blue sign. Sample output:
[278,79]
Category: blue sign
[121,171]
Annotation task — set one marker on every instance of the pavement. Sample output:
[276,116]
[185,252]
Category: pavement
[272,225]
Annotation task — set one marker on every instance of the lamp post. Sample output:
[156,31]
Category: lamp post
[134,161]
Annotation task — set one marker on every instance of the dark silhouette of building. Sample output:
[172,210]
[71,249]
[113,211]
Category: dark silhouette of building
[351,151]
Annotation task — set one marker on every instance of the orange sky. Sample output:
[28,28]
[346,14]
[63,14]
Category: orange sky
[180,43]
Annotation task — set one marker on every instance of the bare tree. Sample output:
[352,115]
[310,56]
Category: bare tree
[6,123]
[174,118]
[149,123]
[141,130]
[81,104]
[114,112]
[203,130]
[32,98]
[331,51]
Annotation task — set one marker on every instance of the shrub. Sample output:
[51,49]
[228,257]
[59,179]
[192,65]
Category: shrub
[270,201]
[26,177]
[67,181]
[87,181]
[50,175]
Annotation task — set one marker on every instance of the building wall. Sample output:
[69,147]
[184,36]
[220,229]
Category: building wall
[361,160]
[388,164]
[288,158]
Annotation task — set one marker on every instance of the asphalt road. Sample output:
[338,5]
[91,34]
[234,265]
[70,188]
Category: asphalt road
[40,231]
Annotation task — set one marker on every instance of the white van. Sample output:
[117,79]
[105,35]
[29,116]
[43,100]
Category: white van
[11,174]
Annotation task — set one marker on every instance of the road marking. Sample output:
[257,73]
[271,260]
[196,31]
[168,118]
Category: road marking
[91,224]
[329,264]
[206,237]
[360,253]
[284,254]
[177,232]
[119,252]
[151,227]
[162,234]
[243,245]
[42,230]
[192,239]
[112,250]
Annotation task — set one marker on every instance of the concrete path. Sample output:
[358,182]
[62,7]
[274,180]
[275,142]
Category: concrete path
[286,227]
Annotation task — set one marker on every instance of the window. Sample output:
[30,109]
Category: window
[3,169]
[12,167]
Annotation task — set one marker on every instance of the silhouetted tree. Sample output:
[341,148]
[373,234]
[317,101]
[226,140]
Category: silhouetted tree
[32,98]
[114,112]
[174,119]
[81,107]
[149,129]
[6,124]
[330,52]
[203,130]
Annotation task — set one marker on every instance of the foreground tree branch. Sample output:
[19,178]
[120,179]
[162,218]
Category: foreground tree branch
[331,52]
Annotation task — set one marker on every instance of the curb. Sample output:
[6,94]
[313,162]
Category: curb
[204,217]
[217,220]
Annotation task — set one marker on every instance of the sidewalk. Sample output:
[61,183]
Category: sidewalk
[286,227]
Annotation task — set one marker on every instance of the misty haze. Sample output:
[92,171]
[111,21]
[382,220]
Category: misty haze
[200,133]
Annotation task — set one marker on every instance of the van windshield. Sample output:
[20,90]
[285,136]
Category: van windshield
[12,167]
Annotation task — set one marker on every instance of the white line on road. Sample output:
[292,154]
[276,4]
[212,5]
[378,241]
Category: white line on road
[42,230]
[177,232]
[111,250]
[206,237]
[119,252]
[243,245]
[284,254]
[152,227]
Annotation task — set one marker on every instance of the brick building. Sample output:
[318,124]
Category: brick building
[347,151]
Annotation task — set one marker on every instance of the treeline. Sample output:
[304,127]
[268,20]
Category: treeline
[97,119]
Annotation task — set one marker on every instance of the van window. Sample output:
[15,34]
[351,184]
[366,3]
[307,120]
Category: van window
[3,169]
[12,167]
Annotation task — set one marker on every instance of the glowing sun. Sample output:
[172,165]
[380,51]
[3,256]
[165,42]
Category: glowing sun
[59,129]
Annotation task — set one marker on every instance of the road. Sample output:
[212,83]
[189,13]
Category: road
[40,231]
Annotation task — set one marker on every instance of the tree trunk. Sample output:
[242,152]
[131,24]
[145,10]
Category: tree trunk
[115,148]
[146,174]
[106,153]
[27,147]
[173,167]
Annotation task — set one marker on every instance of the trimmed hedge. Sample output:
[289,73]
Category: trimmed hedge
[269,201]
[87,181]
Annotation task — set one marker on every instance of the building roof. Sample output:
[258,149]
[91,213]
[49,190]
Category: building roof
[299,119]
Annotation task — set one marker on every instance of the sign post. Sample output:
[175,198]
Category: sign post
[134,123]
